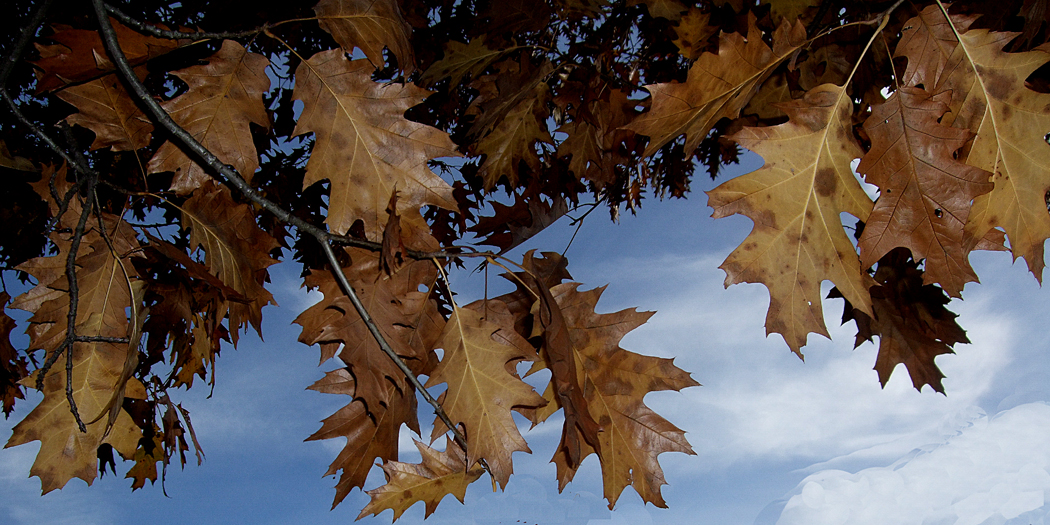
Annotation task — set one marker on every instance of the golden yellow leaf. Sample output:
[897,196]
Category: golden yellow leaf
[795,201]
[482,390]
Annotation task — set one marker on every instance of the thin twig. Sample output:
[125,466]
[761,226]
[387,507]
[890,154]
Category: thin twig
[28,32]
[194,36]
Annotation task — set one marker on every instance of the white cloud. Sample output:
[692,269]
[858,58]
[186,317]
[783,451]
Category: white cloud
[993,471]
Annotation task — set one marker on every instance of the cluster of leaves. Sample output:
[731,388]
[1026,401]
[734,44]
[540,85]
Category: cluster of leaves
[375,141]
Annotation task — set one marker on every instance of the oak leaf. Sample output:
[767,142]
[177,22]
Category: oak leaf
[371,431]
[669,9]
[105,107]
[482,387]
[718,86]
[364,146]
[509,226]
[795,201]
[225,96]
[910,319]
[929,43]
[236,250]
[146,458]
[790,10]
[439,474]
[369,25]
[596,133]
[510,119]
[461,60]
[79,54]
[105,293]
[514,140]
[535,314]
[693,31]
[13,367]
[1011,122]
[14,162]
[407,318]
[616,382]
[925,193]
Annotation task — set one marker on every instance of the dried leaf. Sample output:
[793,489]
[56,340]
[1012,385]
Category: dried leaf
[441,473]
[7,160]
[795,201]
[669,9]
[105,107]
[482,388]
[371,432]
[369,25]
[632,435]
[13,367]
[694,30]
[461,60]
[104,294]
[925,193]
[364,145]
[225,96]
[910,319]
[1011,123]
[79,54]
[719,85]
[407,318]
[236,250]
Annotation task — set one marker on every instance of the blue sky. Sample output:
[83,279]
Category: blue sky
[777,440]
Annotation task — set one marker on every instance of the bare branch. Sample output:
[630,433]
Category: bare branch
[194,36]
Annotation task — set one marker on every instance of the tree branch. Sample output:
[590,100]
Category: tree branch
[194,36]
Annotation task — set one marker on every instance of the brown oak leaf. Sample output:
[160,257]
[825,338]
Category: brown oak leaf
[616,382]
[669,9]
[929,43]
[719,85]
[371,431]
[225,96]
[105,107]
[925,193]
[693,31]
[369,25]
[364,146]
[1010,121]
[795,201]
[910,319]
[79,54]
[407,318]
[461,60]
[439,474]
[236,250]
[105,292]
[13,367]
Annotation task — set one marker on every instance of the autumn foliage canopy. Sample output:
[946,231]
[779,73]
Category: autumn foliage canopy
[158,157]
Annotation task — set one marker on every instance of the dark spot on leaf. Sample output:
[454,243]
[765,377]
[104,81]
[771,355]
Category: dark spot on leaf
[825,182]
[938,212]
